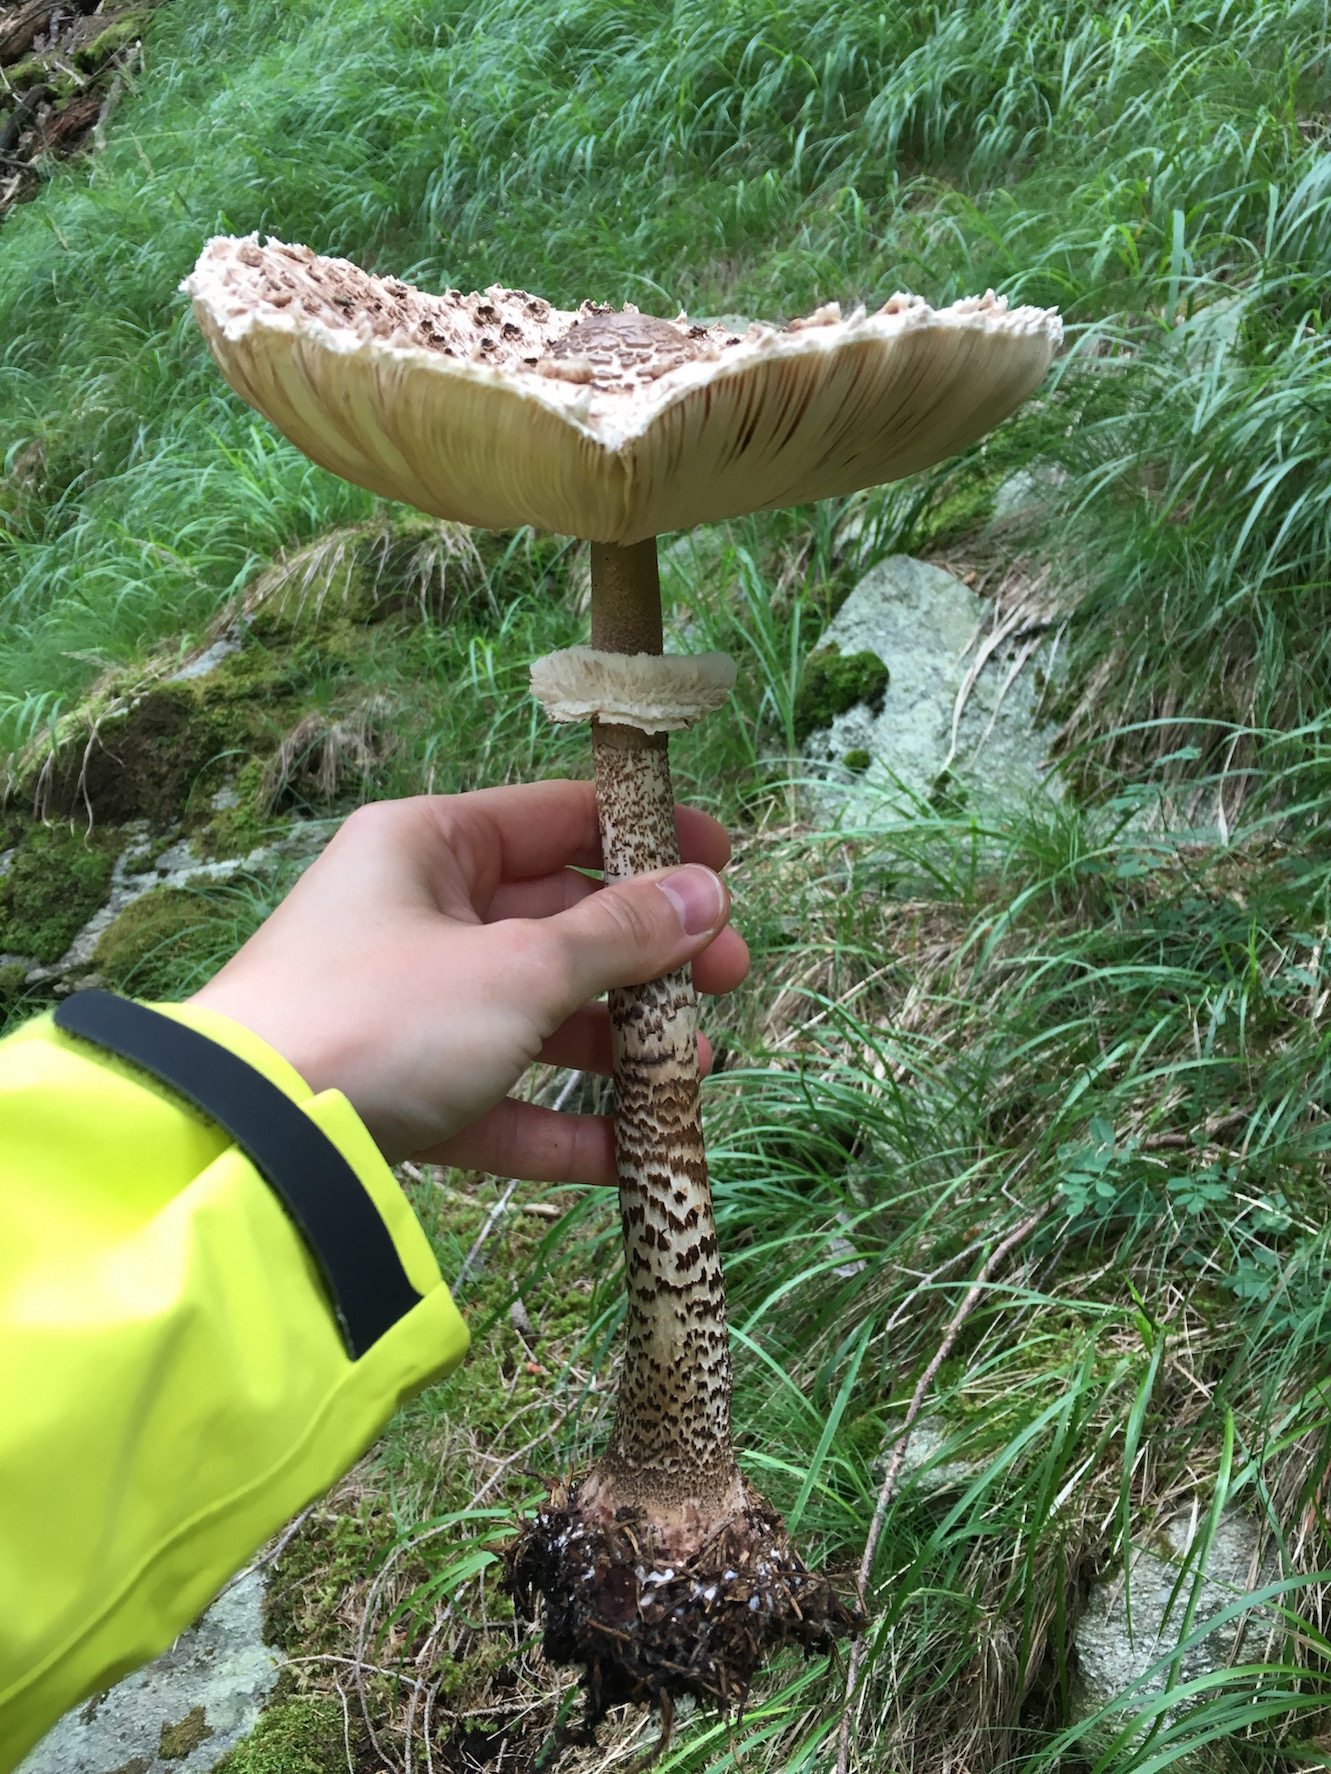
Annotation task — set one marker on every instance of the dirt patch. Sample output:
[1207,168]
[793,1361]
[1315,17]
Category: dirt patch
[62,69]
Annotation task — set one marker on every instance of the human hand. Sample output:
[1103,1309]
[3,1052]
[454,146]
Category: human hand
[441,945]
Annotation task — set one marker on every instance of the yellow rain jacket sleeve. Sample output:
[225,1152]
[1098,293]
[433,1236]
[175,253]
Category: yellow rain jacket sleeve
[179,1372]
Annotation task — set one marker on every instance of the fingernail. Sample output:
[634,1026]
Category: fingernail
[697,895]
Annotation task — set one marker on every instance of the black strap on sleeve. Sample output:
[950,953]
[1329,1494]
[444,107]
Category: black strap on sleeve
[336,1217]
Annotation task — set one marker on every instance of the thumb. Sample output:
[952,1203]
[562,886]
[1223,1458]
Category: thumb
[637,930]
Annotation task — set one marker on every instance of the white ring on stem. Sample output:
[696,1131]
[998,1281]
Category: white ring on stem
[655,692]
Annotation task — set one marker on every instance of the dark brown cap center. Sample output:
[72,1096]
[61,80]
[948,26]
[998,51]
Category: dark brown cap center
[616,347]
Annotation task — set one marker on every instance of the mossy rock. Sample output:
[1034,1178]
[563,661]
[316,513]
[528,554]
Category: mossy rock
[249,821]
[118,35]
[161,943]
[143,765]
[299,1736]
[857,760]
[57,879]
[834,682]
[162,758]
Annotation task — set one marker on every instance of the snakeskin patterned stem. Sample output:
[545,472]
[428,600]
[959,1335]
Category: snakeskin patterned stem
[671,1449]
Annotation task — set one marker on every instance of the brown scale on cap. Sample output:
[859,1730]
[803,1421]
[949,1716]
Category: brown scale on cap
[508,329]
[622,350]
[504,327]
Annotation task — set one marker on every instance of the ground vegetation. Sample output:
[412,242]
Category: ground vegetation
[1023,1121]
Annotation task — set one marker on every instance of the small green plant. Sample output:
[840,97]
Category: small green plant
[1211,1187]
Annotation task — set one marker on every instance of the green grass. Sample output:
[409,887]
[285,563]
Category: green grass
[953,1019]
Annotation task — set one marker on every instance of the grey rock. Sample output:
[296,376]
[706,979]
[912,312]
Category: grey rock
[220,1665]
[211,657]
[1112,1659]
[926,627]
[840,1246]
[924,1463]
[1025,491]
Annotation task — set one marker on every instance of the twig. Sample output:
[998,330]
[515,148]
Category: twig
[1000,632]
[898,1454]
[500,1207]
[346,1725]
[274,1552]
[491,1220]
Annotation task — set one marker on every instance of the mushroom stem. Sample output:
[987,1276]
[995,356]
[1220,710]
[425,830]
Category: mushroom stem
[670,1454]
[663,1573]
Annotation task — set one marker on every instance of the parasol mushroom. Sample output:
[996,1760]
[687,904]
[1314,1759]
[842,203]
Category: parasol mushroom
[662,1571]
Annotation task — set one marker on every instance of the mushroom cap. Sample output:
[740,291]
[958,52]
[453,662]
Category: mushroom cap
[500,410]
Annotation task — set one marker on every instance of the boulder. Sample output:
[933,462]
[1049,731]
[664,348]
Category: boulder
[927,629]
[180,1714]
[1113,1657]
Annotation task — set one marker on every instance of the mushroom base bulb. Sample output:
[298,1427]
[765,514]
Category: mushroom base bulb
[646,1627]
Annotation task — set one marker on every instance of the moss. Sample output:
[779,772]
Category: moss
[949,794]
[144,764]
[58,878]
[324,1565]
[236,830]
[298,1736]
[117,36]
[965,505]
[182,1739]
[26,73]
[833,682]
[158,943]
[467,1677]
[857,759]
[413,566]
[163,758]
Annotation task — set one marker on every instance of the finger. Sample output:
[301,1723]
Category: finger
[701,839]
[583,1044]
[536,1145]
[624,935]
[542,897]
[532,829]
[722,965]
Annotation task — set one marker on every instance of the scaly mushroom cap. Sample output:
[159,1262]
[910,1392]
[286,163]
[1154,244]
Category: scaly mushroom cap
[500,410]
